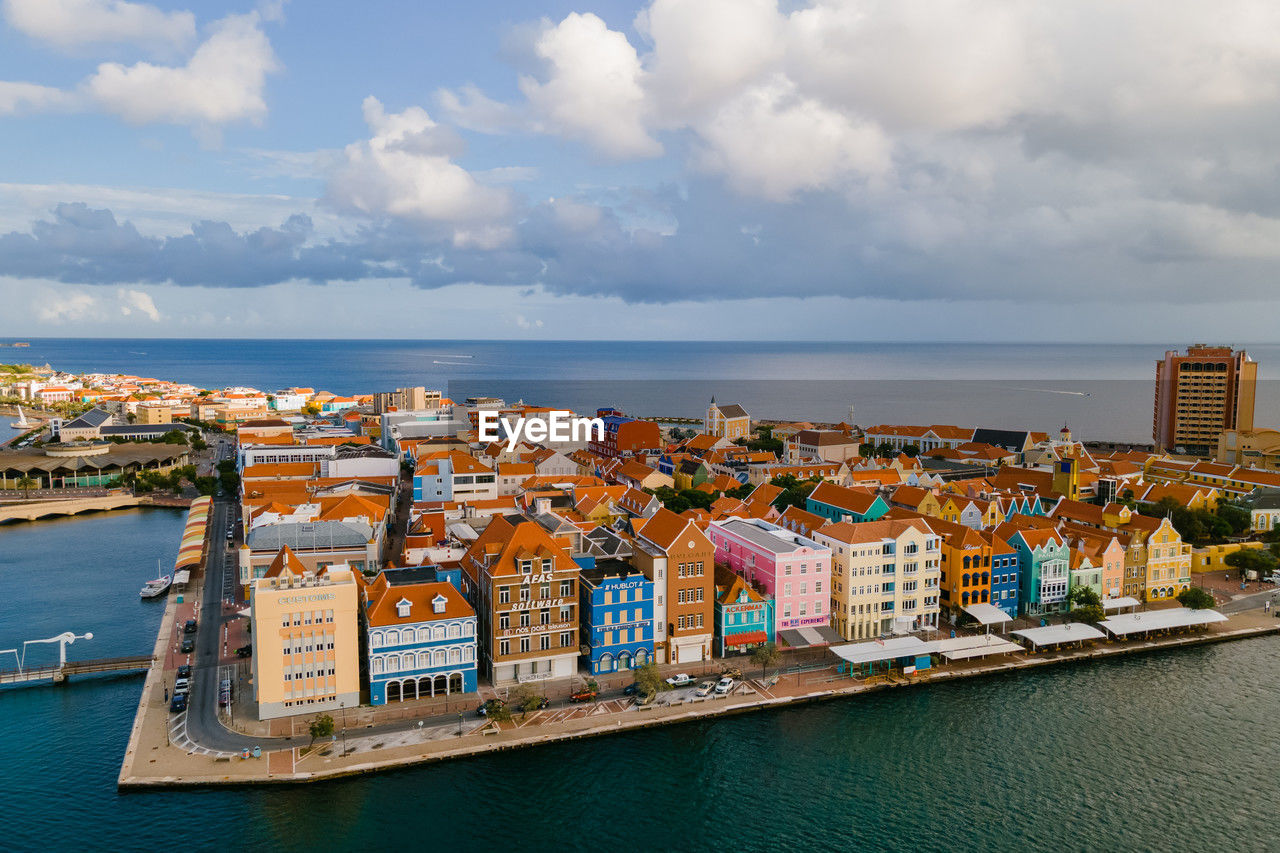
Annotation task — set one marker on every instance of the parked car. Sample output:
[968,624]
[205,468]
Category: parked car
[244,651]
[184,671]
[732,672]
[586,694]
[724,685]
[1272,579]
[182,685]
[178,703]
[190,627]
[188,645]
[680,680]
[705,688]
[489,706]
[632,689]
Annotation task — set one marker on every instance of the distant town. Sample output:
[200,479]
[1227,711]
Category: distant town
[353,562]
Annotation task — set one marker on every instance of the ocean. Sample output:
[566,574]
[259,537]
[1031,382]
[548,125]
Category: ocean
[1103,392]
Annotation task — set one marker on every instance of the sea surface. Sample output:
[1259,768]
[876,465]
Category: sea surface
[1103,392]
[1168,752]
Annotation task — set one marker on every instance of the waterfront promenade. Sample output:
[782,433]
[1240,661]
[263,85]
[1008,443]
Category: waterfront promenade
[156,758]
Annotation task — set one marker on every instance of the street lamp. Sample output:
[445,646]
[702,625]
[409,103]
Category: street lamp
[459,724]
[343,707]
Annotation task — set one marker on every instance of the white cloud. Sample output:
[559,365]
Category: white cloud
[32,97]
[592,89]
[222,82]
[772,142]
[473,109]
[73,23]
[523,322]
[138,301]
[61,305]
[405,170]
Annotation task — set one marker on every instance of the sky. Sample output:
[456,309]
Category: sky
[956,170]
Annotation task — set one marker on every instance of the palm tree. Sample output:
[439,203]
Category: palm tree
[27,483]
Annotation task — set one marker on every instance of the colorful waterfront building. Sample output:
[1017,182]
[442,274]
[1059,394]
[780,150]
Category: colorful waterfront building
[744,616]
[1044,561]
[524,587]
[840,503]
[674,552]
[793,570]
[617,616]
[886,576]
[420,634]
[305,630]
[1168,563]
[726,420]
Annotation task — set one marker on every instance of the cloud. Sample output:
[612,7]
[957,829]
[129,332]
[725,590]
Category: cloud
[592,89]
[138,301]
[60,306]
[405,170]
[524,323]
[75,23]
[222,82]
[32,97]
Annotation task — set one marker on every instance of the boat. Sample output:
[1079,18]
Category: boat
[158,585]
[21,422]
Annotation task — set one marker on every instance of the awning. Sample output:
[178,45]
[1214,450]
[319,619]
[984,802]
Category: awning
[1119,603]
[181,578]
[880,650]
[1051,635]
[745,638]
[988,614]
[804,638]
[1124,624]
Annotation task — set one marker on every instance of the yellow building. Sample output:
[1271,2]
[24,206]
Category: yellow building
[1257,448]
[1168,563]
[1210,557]
[727,420]
[305,639]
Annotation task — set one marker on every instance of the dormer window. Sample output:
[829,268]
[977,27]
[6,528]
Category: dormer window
[437,604]
[402,608]
[526,567]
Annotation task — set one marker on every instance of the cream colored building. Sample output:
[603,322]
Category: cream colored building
[305,640]
[1256,448]
[885,576]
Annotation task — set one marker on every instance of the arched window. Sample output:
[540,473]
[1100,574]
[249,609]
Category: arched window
[437,633]
[454,631]
[393,637]
[393,663]
[376,663]
[470,654]
[966,564]
[375,639]
[606,662]
[455,655]
[964,580]
[424,635]
[986,577]
[437,657]
[424,660]
[406,661]
[984,596]
[642,657]
[624,661]
[469,629]
[964,598]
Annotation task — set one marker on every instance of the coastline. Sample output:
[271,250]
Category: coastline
[195,770]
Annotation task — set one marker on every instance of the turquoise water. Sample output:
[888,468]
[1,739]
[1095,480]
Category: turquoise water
[1162,752]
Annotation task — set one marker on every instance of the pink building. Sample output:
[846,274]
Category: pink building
[792,569]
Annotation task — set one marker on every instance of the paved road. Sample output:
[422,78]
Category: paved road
[1252,601]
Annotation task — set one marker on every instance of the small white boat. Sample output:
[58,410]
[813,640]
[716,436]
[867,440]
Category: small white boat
[21,422]
[158,585]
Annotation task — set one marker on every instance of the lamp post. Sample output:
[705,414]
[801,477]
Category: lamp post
[342,706]
[459,724]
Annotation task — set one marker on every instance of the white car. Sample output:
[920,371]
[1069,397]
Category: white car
[680,680]
[724,685]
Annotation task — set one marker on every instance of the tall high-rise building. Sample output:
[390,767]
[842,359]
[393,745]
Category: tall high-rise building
[1201,394]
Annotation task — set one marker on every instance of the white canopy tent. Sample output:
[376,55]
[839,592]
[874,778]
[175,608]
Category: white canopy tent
[988,614]
[1120,603]
[1124,624]
[1052,635]
[876,651]
[964,648]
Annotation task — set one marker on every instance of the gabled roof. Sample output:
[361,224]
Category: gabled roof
[857,501]
[383,609]
[665,528]
[285,561]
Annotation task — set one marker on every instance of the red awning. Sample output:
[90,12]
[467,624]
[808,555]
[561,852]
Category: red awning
[745,638]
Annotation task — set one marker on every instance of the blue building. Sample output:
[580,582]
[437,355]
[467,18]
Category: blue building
[616,616]
[838,503]
[743,616]
[420,635]
[1004,576]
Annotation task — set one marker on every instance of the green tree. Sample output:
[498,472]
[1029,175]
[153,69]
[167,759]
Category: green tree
[648,680]
[1196,598]
[320,727]
[26,482]
[911,450]
[765,654]
[746,489]
[175,436]
[311,409]
[1251,559]
[1083,596]
[794,491]
[1087,613]
[527,698]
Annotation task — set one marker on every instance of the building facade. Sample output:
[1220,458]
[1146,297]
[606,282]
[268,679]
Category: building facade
[420,635]
[1200,395]
[678,557]
[793,570]
[744,617]
[617,617]
[305,640]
